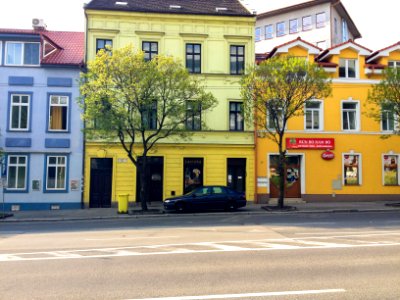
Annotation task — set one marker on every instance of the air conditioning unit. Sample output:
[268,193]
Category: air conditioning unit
[38,23]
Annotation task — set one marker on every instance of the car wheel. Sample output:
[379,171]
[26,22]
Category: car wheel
[231,206]
[180,207]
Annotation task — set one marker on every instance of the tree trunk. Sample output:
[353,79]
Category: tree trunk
[143,183]
[281,172]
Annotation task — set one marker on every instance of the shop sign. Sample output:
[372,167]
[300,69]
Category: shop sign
[310,143]
[328,155]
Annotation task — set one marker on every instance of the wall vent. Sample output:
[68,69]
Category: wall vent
[175,6]
[121,3]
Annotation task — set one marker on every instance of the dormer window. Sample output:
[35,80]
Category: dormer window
[347,68]
[22,54]
[394,64]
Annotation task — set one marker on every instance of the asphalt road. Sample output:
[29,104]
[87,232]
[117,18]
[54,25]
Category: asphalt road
[316,256]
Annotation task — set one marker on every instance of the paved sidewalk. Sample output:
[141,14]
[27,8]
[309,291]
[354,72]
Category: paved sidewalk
[155,210]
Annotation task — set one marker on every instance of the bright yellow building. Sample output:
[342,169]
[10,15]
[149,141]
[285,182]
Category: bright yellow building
[335,151]
[215,41]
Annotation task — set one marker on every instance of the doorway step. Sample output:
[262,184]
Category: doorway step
[274,201]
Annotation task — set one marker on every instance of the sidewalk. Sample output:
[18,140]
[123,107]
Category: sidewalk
[156,210]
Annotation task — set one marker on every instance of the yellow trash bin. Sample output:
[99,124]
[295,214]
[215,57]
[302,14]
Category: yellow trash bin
[123,203]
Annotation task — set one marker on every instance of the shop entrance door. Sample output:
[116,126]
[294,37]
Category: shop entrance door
[154,178]
[292,177]
[100,182]
[237,174]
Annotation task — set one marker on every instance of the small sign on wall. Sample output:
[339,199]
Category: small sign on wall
[262,182]
[74,184]
[122,160]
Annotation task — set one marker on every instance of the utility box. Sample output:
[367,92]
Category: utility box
[123,203]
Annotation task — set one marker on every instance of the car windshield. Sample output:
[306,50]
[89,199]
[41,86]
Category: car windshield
[198,191]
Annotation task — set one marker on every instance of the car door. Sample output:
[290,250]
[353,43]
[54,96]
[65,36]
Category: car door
[219,197]
[200,198]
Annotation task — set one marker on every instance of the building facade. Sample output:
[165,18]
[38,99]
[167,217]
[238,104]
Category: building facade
[214,39]
[41,130]
[335,152]
[324,23]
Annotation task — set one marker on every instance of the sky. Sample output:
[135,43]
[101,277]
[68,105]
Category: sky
[378,24]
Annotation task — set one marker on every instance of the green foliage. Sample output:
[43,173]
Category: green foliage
[385,96]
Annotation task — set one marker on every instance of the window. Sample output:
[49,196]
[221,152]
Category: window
[394,64]
[390,169]
[237,60]
[193,115]
[269,31]
[351,169]
[388,121]
[193,174]
[102,43]
[350,116]
[313,115]
[150,50]
[22,54]
[347,68]
[19,112]
[307,23]
[345,33]
[335,26]
[320,20]
[280,29]
[193,58]
[1,51]
[258,34]
[293,26]
[274,116]
[58,113]
[236,120]
[56,172]
[17,166]
[149,116]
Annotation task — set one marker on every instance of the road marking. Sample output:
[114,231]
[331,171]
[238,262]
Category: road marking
[134,238]
[246,295]
[349,232]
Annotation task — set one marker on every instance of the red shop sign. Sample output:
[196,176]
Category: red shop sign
[328,155]
[310,143]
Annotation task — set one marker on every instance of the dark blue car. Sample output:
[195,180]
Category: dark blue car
[207,198]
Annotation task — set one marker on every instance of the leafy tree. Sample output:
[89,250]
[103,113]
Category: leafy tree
[276,91]
[385,100]
[139,102]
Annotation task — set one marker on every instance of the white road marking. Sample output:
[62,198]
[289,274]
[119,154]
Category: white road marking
[134,238]
[349,232]
[246,295]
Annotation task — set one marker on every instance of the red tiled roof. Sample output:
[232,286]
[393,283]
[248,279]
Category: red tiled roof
[375,66]
[323,53]
[327,64]
[383,49]
[70,45]
[288,43]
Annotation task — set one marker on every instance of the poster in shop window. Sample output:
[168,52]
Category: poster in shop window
[193,173]
[390,170]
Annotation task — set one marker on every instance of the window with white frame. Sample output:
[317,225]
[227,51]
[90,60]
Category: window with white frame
[22,54]
[313,115]
[58,113]
[293,26]
[280,29]
[320,20]
[258,34]
[274,117]
[347,68]
[19,112]
[388,120]
[269,31]
[56,172]
[394,64]
[17,166]
[390,169]
[307,23]
[345,33]
[350,115]
[351,169]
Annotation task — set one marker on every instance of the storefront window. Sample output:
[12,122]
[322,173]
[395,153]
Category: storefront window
[193,173]
[351,174]
[390,170]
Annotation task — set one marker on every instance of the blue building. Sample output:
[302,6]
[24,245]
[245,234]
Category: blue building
[41,129]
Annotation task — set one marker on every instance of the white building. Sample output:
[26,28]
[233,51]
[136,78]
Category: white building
[324,23]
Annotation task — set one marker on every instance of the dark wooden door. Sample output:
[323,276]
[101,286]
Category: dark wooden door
[292,177]
[236,178]
[154,178]
[100,182]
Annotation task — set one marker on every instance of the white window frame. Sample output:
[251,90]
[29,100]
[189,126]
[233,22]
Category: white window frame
[297,26]
[396,64]
[358,119]
[257,33]
[345,33]
[320,115]
[359,169]
[302,23]
[22,54]
[284,29]
[57,166]
[19,116]
[268,120]
[320,24]
[396,121]
[346,60]
[271,32]
[58,105]
[383,168]
[17,166]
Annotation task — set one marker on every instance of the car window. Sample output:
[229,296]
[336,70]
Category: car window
[218,190]
[201,191]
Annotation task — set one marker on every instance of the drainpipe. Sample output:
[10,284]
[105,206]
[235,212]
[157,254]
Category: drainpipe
[255,158]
